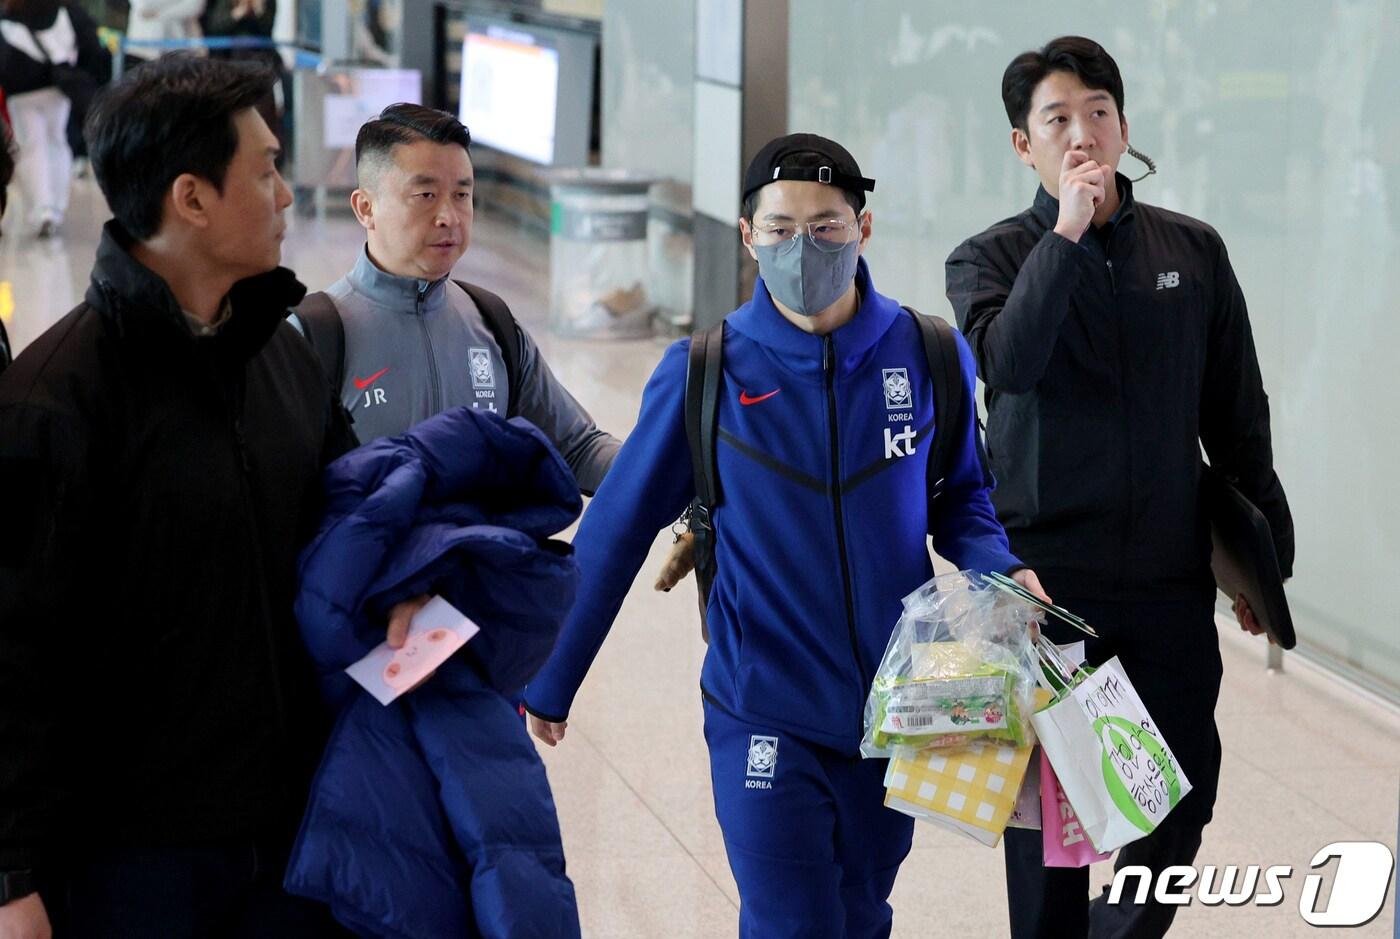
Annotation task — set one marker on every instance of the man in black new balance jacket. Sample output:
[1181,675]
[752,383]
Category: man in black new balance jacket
[1113,340]
[161,450]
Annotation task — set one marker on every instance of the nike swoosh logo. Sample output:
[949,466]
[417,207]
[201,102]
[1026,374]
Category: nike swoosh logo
[746,399]
[363,383]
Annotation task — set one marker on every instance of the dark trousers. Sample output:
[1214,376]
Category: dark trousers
[229,890]
[1171,653]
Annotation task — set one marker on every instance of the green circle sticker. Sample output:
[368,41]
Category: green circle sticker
[1138,771]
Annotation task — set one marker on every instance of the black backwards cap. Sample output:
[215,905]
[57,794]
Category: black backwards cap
[809,158]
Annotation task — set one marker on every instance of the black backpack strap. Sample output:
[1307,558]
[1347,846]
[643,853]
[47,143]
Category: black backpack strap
[702,410]
[323,328]
[703,371]
[506,332]
[945,368]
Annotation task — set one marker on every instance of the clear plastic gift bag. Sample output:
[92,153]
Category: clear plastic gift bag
[959,667]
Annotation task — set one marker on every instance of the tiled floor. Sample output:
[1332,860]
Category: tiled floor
[1307,761]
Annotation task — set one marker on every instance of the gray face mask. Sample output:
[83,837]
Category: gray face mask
[804,278]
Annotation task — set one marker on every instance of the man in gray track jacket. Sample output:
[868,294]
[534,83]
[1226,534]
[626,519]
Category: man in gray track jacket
[400,338]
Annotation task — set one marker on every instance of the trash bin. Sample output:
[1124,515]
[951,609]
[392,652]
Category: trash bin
[598,255]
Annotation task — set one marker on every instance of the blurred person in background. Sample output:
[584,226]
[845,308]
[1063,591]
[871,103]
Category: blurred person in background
[163,20]
[51,64]
[250,19]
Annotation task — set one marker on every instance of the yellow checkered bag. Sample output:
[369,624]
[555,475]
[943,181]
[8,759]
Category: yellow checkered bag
[972,789]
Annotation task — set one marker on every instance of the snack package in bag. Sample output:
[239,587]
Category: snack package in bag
[1111,760]
[1066,844]
[959,667]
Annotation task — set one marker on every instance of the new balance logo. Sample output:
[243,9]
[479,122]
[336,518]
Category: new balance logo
[900,444]
[1168,280]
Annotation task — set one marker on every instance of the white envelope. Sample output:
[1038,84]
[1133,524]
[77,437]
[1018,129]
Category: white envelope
[434,633]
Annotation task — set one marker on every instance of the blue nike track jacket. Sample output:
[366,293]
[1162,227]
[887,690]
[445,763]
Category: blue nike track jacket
[823,516]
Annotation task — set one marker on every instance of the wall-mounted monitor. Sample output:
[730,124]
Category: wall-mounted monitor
[528,90]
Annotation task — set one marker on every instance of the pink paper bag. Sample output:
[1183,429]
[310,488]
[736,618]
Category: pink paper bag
[1066,845]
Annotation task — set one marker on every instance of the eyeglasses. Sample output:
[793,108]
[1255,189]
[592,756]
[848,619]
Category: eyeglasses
[830,235]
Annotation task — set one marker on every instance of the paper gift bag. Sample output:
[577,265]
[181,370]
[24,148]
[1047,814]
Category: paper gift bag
[1110,758]
[973,789]
[1066,844]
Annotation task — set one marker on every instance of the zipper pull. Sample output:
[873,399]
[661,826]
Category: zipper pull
[826,354]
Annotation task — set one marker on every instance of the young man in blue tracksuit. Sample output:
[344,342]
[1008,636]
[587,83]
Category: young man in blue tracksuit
[825,412]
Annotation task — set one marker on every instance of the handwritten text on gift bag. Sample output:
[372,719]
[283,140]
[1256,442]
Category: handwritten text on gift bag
[1138,770]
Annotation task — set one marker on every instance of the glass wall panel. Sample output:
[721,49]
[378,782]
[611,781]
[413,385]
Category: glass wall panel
[649,86]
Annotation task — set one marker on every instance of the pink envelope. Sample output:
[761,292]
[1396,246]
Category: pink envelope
[1066,845]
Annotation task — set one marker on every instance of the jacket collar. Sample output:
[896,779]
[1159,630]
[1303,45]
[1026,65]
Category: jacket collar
[1046,207]
[760,321]
[141,305]
[399,293]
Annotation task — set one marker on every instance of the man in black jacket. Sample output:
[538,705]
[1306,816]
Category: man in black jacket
[1113,340]
[161,450]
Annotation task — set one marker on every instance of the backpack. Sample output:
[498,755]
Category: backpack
[326,333]
[703,372]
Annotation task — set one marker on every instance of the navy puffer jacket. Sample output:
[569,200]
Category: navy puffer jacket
[432,816]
